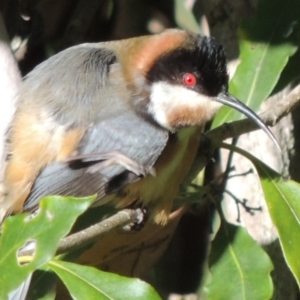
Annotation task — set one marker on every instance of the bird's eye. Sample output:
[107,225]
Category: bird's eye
[189,79]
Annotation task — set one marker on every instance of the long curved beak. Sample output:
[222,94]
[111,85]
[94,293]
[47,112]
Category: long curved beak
[229,100]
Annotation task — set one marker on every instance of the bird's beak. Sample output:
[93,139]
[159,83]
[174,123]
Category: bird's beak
[229,100]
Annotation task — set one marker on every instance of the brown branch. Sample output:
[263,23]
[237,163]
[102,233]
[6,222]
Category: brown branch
[94,232]
[271,117]
[230,130]
[85,236]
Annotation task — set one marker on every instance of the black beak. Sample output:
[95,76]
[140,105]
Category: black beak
[231,101]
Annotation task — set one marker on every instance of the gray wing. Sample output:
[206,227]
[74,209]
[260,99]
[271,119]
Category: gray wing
[76,87]
[128,133]
[80,86]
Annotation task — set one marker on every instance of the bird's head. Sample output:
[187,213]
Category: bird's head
[186,78]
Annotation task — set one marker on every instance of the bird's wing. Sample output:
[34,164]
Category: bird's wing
[127,133]
[72,87]
[83,89]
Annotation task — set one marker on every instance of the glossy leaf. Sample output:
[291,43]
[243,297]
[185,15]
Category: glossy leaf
[43,285]
[263,54]
[53,221]
[290,72]
[282,197]
[240,269]
[89,283]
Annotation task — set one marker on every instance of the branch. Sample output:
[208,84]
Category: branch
[230,130]
[270,117]
[94,232]
[85,236]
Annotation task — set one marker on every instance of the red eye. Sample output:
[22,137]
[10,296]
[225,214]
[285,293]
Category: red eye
[189,79]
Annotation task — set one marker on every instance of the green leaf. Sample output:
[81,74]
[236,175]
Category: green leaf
[43,285]
[54,220]
[290,72]
[240,269]
[89,283]
[266,42]
[282,197]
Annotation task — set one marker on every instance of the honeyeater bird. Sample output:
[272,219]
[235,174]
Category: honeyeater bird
[100,117]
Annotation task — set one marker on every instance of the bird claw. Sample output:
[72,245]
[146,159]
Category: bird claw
[140,221]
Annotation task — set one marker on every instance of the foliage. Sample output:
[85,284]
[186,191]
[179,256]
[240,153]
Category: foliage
[264,55]
[54,220]
[94,284]
[243,261]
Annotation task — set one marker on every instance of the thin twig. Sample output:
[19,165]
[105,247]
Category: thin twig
[230,130]
[271,117]
[94,232]
[86,236]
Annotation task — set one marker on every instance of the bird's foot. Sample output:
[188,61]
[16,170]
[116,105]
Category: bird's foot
[140,221]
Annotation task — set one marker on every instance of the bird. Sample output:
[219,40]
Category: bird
[102,118]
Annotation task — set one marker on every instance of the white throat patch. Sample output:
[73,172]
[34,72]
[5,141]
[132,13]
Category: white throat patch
[174,106]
